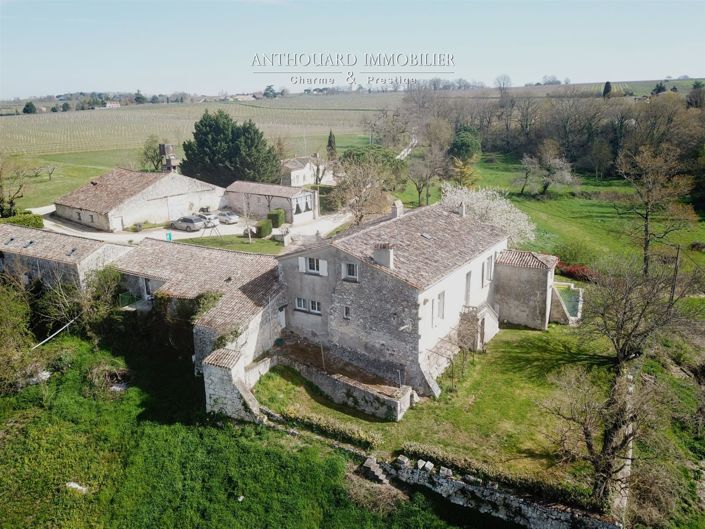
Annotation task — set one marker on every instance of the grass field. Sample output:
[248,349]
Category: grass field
[239,243]
[151,458]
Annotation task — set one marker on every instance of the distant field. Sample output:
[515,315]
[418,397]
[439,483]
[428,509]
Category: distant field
[128,127]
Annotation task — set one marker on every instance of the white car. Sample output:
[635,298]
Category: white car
[211,219]
[227,217]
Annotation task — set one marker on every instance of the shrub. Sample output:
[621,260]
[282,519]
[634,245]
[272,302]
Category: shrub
[697,246]
[263,228]
[575,252]
[334,429]
[277,217]
[542,489]
[575,271]
[28,220]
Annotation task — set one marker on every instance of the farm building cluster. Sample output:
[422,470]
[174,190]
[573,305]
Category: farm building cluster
[372,316]
[123,198]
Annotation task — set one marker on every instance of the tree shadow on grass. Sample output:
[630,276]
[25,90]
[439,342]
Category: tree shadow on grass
[539,354]
[164,374]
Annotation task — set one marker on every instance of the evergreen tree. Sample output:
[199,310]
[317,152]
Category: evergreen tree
[330,148]
[607,90]
[223,151]
[29,108]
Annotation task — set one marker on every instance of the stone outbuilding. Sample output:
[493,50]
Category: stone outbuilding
[122,198]
[38,254]
[257,200]
[524,287]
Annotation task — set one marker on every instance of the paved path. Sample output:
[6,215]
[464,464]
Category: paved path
[323,225]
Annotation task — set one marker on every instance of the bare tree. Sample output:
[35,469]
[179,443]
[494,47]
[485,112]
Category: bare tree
[630,311]
[14,177]
[659,185]
[503,83]
[360,188]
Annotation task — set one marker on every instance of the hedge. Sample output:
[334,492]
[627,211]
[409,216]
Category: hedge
[277,216]
[334,429]
[28,220]
[263,228]
[540,489]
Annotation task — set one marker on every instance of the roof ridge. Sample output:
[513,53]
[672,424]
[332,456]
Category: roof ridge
[62,234]
[385,222]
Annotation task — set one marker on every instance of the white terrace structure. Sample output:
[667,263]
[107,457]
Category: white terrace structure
[37,254]
[122,198]
[256,200]
[301,171]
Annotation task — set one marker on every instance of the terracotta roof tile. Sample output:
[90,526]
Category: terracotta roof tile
[108,191]
[524,259]
[45,244]
[428,243]
[226,358]
[246,281]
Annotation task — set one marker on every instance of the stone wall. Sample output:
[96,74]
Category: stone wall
[343,390]
[523,295]
[227,394]
[488,498]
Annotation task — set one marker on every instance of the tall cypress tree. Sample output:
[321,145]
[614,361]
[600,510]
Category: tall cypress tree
[330,148]
[607,90]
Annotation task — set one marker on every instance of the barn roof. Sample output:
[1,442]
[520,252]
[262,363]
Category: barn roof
[255,188]
[524,259]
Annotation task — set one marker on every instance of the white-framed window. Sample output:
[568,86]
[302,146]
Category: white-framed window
[490,268]
[441,310]
[346,312]
[350,271]
[301,304]
[92,220]
[313,265]
[315,306]
[78,215]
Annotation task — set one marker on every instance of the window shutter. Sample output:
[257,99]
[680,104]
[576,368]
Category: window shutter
[324,267]
[302,264]
[343,269]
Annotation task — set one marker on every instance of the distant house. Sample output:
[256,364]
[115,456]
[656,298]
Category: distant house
[122,198]
[301,171]
[255,199]
[34,254]
[112,104]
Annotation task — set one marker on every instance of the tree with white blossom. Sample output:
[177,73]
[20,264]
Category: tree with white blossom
[492,207]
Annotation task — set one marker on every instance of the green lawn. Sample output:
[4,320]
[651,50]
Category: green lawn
[410,197]
[151,458]
[490,413]
[583,214]
[239,243]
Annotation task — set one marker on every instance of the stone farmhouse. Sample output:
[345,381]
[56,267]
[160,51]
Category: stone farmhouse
[301,171]
[256,200]
[122,198]
[372,316]
[34,254]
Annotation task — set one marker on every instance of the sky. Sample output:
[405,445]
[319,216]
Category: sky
[208,47]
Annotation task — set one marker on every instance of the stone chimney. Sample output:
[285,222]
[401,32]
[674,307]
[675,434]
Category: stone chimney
[463,209]
[397,209]
[383,254]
